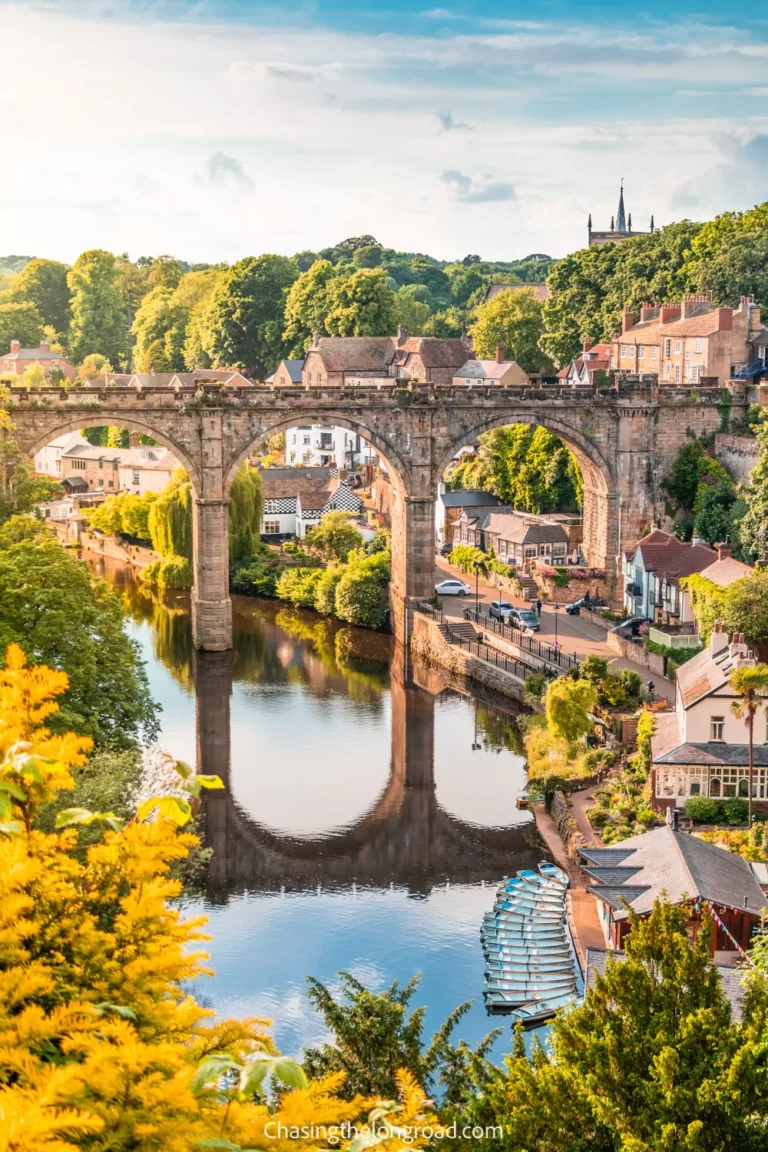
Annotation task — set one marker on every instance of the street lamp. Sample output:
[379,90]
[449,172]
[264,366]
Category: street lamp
[556,608]
[478,566]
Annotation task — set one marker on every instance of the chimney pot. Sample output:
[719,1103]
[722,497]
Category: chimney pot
[402,335]
[669,312]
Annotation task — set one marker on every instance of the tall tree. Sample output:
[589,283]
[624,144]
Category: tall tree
[307,306]
[412,308]
[44,284]
[729,256]
[514,320]
[22,322]
[753,529]
[751,686]
[361,304]
[247,314]
[99,321]
[160,329]
[525,466]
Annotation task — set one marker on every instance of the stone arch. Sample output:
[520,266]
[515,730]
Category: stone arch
[601,541]
[74,424]
[399,470]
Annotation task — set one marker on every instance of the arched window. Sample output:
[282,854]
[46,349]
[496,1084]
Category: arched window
[714,787]
[743,787]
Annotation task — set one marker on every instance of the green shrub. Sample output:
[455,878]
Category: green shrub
[325,591]
[536,684]
[647,816]
[594,668]
[361,593]
[703,810]
[298,585]
[257,578]
[735,810]
[561,578]
[170,572]
[598,817]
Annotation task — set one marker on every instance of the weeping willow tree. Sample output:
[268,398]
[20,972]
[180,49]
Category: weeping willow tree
[170,527]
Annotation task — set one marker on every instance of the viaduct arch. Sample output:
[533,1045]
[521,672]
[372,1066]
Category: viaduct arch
[624,438]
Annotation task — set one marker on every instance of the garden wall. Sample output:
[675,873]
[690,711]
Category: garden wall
[636,653]
[428,643]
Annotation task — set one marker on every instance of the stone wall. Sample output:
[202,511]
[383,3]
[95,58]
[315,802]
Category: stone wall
[560,811]
[428,644]
[737,454]
[636,653]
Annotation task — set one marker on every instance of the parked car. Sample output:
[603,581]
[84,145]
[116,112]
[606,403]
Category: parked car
[452,588]
[525,619]
[500,609]
[445,550]
[585,602]
[632,626]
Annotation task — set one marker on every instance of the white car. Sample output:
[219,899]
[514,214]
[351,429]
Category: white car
[452,588]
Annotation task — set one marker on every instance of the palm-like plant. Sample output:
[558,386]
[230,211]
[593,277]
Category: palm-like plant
[750,683]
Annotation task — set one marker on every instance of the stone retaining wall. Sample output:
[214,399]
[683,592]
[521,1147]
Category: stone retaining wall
[560,811]
[427,643]
[636,653]
[737,454]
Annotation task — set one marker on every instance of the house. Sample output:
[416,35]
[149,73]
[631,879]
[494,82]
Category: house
[652,569]
[540,291]
[620,229]
[701,748]
[18,359]
[674,865]
[516,538]
[226,377]
[91,467]
[312,506]
[723,572]
[288,372]
[448,506]
[145,468]
[595,359]
[338,361]
[48,460]
[280,489]
[476,373]
[687,342]
[326,446]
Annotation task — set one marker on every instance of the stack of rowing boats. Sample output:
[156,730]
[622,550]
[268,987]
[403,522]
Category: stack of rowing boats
[529,962]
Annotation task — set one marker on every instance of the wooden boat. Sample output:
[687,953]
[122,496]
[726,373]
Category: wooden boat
[531,989]
[551,871]
[531,1015]
[522,801]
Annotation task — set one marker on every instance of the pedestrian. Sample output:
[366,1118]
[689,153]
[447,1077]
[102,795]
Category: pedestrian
[651,689]
[538,609]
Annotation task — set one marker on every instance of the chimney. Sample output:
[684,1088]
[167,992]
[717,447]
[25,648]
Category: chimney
[44,346]
[133,439]
[725,319]
[15,346]
[648,312]
[718,640]
[627,320]
[697,541]
[723,551]
[499,353]
[738,648]
[669,312]
[693,304]
[315,339]
[402,335]
[586,345]
[675,820]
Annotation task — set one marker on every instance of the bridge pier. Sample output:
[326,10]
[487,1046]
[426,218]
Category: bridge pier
[413,557]
[212,673]
[211,605]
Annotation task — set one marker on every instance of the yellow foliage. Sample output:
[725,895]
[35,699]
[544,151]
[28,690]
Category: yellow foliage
[100,1045]
[551,756]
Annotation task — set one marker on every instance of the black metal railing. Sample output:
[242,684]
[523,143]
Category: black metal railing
[428,609]
[517,668]
[546,652]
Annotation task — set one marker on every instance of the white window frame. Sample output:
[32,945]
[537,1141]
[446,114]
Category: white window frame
[641,352]
[717,729]
[654,353]
[678,346]
[271,527]
[697,344]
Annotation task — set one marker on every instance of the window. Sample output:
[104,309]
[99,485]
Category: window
[271,527]
[697,345]
[714,787]
[468,383]
[110,483]
[667,349]
[687,355]
[641,352]
[631,351]
[668,370]
[307,440]
[101,463]
[677,373]
[309,377]
[282,381]
[623,352]
[744,787]
[678,346]
[717,728]
[529,550]
[293,440]
[136,478]
[654,352]
[78,465]
[695,789]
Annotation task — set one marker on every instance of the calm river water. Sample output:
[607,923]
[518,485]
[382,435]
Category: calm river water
[365,823]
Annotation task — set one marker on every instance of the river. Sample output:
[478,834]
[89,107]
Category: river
[365,823]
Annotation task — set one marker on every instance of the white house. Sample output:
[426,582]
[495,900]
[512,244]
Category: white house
[701,748]
[652,569]
[319,446]
[146,468]
[48,460]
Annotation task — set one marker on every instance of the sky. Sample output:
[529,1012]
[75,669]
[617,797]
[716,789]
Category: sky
[212,131]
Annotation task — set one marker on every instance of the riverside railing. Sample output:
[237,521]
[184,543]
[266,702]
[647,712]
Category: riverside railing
[546,652]
[493,656]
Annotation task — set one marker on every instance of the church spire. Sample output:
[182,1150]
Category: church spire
[621,223]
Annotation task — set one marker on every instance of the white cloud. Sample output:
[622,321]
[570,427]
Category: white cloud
[334,133]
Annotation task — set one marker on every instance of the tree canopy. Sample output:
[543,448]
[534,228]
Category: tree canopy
[245,320]
[513,320]
[99,321]
[525,466]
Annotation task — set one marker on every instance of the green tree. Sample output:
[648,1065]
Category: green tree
[753,528]
[334,537]
[160,329]
[567,706]
[307,306]
[298,586]
[59,615]
[751,686]
[325,590]
[362,593]
[715,516]
[92,366]
[374,1036]
[729,256]
[44,284]
[246,316]
[745,608]
[361,304]
[367,257]
[650,1061]
[33,376]
[22,322]
[245,511]
[514,320]
[525,466]
[170,518]
[99,321]
[446,324]
[412,308]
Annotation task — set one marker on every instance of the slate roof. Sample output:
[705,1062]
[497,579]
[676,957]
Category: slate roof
[278,483]
[667,556]
[312,501]
[679,865]
[610,875]
[434,352]
[75,484]
[484,369]
[293,368]
[34,354]
[704,674]
[152,459]
[508,526]
[730,978]
[468,498]
[726,571]
[354,353]
[715,753]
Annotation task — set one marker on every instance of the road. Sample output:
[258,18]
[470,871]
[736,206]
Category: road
[577,637]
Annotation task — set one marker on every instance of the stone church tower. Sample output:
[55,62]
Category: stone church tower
[620,229]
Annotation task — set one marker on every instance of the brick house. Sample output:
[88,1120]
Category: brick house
[337,361]
[516,538]
[701,748]
[690,341]
[18,359]
[89,468]
[586,369]
[145,468]
[501,372]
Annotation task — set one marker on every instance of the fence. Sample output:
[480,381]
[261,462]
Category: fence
[428,609]
[546,652]
[493,656]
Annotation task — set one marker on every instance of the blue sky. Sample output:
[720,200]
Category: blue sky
[217,130]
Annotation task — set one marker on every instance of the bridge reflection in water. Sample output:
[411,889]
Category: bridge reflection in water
[405,838]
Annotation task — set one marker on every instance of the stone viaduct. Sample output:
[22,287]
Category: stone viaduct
[624,438]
